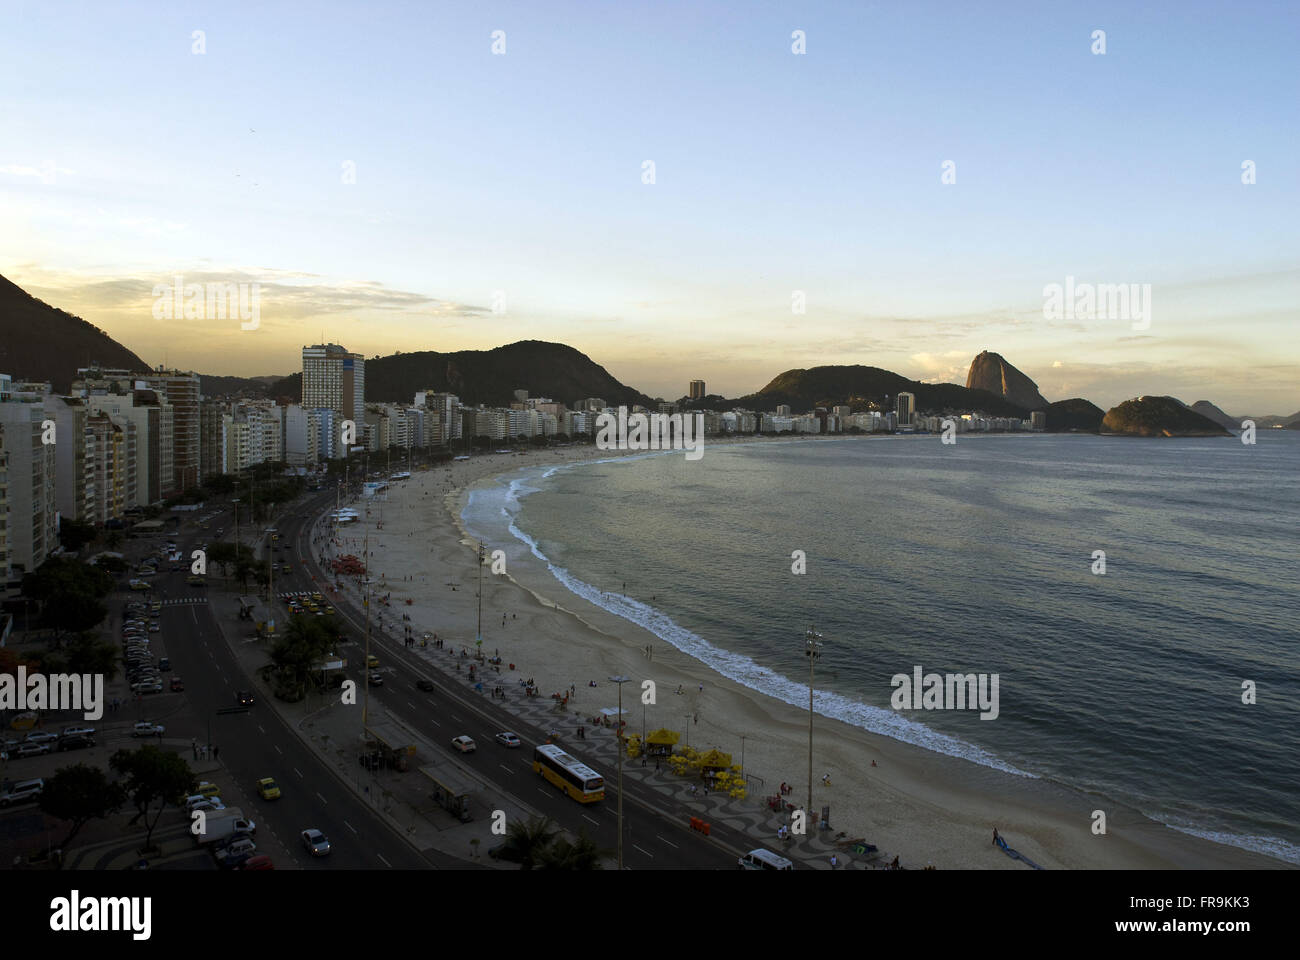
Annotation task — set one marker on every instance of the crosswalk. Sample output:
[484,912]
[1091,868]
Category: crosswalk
[180,600]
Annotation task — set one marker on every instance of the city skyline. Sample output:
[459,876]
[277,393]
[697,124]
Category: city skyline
[814,176]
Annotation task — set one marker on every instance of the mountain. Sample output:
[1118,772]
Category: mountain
[489,377]
[1075,414]
[249,387]
[1207,409]
[867,387]
[989,371]
[1159,417]
[40,342]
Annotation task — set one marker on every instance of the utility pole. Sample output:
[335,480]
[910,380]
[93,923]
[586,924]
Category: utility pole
[813,645]
[365,556]
[479,639]
[620,680]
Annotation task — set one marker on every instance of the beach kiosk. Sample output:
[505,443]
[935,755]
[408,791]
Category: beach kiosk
[451,790]
[660,743]
[395,743]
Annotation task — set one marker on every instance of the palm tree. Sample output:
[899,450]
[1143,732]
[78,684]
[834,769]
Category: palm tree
[530,839]
[582,854]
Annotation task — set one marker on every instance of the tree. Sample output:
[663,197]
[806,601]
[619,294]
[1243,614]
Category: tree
[153,776]
[581,854]
[83,654]
[69,592]
[530,839]
[74,534]
[80,794]
[303,644]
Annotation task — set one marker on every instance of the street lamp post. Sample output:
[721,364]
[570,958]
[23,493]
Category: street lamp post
[813,645]
[620,680]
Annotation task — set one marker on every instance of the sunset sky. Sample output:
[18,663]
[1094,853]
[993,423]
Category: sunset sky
[127,159]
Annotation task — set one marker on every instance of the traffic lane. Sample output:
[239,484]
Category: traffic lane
[259,744]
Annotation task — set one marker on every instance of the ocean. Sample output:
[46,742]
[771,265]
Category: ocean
[976,557]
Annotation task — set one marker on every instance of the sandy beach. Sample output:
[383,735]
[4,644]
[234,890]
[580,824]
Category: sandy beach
[925,807]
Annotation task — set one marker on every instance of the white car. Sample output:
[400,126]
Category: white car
[464,744]
[199,802]
[317,843]
[507,739]
[147,728]
[41,736]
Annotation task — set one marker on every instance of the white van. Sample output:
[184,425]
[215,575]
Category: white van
[761,859]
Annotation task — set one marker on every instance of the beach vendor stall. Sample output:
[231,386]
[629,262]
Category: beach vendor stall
[660,743]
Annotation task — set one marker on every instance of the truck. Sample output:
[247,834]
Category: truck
[223,824]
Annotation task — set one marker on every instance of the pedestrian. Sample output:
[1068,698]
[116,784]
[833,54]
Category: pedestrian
[995,835]
[834,862]
[701,688]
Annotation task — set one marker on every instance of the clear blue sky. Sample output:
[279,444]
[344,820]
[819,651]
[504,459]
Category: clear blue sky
[126,158]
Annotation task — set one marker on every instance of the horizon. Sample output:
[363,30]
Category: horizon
[515,180]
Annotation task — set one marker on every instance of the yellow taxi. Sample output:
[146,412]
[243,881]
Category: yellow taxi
[268,789]
[372,661]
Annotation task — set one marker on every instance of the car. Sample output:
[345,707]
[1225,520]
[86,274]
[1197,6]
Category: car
[233,860]
[77,731]
[30,750]
[164,663]
[259,862]
[154,628]
[317,843]
[177,685]
[239,843]
[464,744]
[371,662]
[137,584]
[244,698]
[425,685]
[376,678]
[208,788]
[77,742]
[268,789]
[507,739]
[147,686]
[147,728]
[41,736]
[197,580]
[24,791]
[200,802]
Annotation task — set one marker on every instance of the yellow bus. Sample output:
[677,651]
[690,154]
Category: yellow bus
[576,779]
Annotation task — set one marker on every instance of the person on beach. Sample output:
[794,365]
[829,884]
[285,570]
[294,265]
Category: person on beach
[826,779]
[995,836]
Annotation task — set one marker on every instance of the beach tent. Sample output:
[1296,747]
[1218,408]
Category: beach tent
[661,742]
[715,760]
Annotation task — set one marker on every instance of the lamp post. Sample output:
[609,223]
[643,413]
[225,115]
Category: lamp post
[813,646]
[620,680]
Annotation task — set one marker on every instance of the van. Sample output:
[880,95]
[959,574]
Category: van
[761,859]
[24,791]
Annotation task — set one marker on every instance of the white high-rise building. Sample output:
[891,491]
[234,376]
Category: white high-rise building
[334,379]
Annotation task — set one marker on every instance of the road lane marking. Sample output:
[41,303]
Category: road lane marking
[350,827]
[277,747]
[669,842]
[545,793]
[386,863]
[322,799]
[259,727]
[589,820]
[646,852]
[505,768]
[456,718]
[297,771]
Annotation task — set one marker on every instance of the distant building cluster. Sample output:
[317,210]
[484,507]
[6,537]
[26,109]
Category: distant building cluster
[123,440]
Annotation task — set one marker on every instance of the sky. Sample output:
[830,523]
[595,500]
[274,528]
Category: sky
[391,183]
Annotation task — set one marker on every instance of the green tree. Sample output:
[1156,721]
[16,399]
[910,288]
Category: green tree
[530,839]
[304,643]
[153,776]
[80,794]
[581,854]
[69,592]
[85,653]
[74,534]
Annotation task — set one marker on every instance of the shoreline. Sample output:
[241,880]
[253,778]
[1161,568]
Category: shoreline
[927,806]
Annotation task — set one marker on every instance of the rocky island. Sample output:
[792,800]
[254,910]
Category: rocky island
[1159,417]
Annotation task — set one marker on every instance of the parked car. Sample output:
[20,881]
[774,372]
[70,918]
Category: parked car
[76,742]
[147,728]
[317,843]
[259,862]
[164,663]
[200,802]
[30,750]
[177,685]
[41,736]
[24,791]
[77,731]
[464,744]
